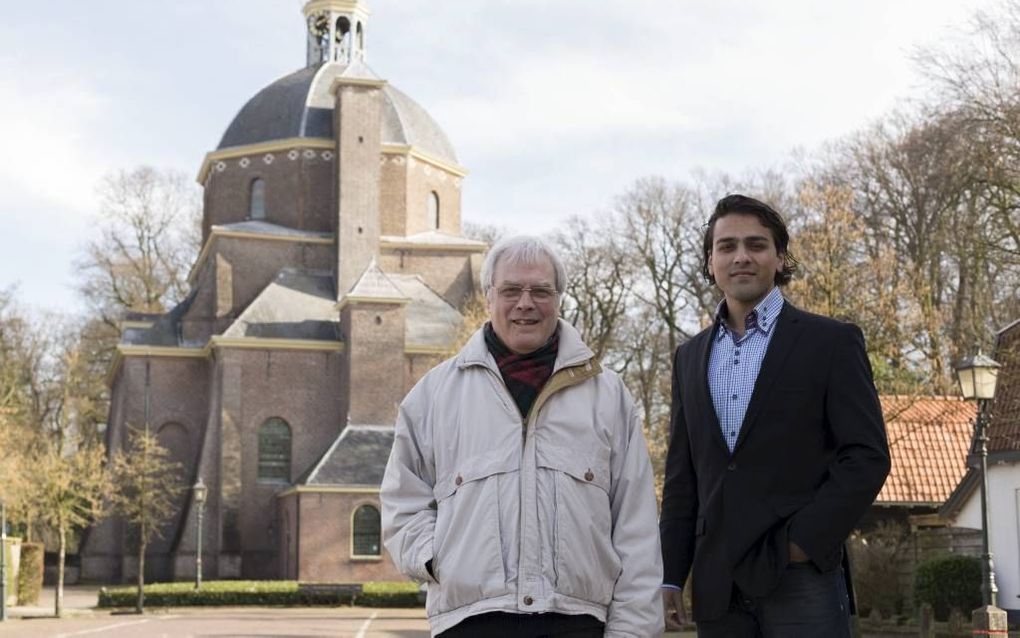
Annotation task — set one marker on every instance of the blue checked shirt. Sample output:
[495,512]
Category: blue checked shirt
[734,363]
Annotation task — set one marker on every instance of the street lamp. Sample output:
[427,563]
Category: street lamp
[200,491]
[3,560]
[977,376]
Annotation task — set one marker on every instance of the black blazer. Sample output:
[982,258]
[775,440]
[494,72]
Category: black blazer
[810,458]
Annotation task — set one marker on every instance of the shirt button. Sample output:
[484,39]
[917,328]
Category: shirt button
[589,476]
[458,480]
[734,397]
[736,362]
[528,600]
[731,467]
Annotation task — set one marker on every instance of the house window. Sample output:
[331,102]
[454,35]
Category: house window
[366,534]
[433,211]
[274,451]
[257,204]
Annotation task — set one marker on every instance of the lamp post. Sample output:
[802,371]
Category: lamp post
[3,560]
[977,376]
[200,491]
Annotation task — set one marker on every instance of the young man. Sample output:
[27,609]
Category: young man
[777,447]
[519,484]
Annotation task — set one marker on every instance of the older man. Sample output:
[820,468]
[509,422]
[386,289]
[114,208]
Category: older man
[519,484]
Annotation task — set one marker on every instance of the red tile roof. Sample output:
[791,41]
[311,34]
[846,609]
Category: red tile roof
[929,438]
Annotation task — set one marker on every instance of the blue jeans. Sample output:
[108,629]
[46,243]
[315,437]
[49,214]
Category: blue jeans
[807,603]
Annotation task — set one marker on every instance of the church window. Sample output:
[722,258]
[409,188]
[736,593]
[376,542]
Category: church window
[366,535]
[361,39]
[433,210]
[257,205]
[274,451]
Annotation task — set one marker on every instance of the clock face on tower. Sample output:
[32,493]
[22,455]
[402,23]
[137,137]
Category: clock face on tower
[318,25]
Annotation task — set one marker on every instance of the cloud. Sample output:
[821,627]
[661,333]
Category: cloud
[46,116]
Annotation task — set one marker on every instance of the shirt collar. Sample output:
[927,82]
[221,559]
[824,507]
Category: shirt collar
[763,317]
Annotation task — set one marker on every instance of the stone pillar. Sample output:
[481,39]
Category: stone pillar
[989,621]
[229,562]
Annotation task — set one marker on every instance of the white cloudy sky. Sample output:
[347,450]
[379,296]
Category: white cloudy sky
[554,105]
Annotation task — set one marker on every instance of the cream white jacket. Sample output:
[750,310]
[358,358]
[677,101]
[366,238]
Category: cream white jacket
[555,514]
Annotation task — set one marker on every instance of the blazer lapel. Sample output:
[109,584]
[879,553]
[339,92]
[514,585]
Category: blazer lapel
[788,330]
[705,395]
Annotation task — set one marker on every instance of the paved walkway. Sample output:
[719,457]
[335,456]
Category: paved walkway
[78,600]
[80,619]
[349,622]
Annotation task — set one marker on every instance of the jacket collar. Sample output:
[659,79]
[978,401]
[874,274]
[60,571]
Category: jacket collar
[572,350]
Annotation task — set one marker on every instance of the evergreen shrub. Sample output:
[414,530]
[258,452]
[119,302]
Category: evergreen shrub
[949,582]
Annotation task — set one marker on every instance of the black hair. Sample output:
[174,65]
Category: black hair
[744,205]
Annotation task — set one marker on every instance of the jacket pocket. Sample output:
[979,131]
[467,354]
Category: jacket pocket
[468,560]
[585,560]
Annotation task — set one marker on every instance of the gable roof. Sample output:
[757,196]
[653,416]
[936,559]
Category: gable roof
[297,304]
[376,285]
[431,321]
[357,458]
[929,438]
[1004,430]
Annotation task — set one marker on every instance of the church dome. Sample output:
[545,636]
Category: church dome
[300,105]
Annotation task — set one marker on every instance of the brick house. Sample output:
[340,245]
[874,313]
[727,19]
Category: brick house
[332,275]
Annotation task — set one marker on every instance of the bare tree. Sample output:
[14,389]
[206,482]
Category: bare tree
[148,484]
[148,237]
[71,489]
[657,223]
[489,233]
[600,274]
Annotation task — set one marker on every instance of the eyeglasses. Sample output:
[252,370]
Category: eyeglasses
[539,294]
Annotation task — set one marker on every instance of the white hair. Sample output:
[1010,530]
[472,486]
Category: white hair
[521,249]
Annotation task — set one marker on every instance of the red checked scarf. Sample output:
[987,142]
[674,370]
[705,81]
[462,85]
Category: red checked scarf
[524,374]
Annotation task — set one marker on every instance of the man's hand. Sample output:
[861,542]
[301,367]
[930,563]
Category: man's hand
[797,554]
[673,608]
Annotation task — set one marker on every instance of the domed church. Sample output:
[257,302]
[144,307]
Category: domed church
[332,276]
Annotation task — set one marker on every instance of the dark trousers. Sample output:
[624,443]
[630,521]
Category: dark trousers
[506,625]
[806,604]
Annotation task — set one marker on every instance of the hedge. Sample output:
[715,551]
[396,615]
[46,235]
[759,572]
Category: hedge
[8,550]
[30,573]
[281,592]
[947,583]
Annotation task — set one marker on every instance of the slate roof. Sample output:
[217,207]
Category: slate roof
[357,458]
[929,438]
[300,105]
[435,238]
[375,284]
[1004,431]
[164,331]
[266,228]
[297,304]
[431,322]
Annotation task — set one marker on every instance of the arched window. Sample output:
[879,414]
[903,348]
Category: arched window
[361,40]
[343,39]
[257,204]
[433,211]
[274,451]
[366,532]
